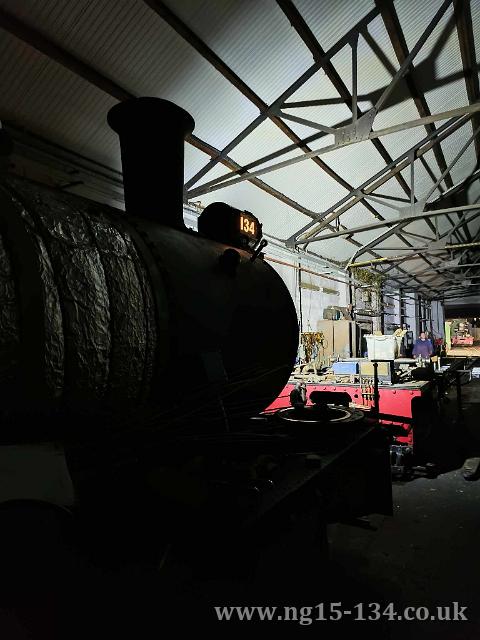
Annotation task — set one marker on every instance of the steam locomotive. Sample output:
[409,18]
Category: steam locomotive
[145,353]
[112,315]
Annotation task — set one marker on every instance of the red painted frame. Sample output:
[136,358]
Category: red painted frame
[394,400]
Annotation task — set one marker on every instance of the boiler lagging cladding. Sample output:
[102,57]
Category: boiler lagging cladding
[109,317]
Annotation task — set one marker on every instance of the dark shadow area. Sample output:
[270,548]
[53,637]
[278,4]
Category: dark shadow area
[425,556]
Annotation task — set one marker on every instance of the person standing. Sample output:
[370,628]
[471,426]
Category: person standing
[423,347]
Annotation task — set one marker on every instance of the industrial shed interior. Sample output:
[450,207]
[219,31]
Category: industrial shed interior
[239,317]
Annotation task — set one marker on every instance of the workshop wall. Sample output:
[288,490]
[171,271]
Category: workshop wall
[411,313]
[438,319]
[311,293]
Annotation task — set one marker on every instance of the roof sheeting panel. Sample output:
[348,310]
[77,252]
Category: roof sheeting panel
[392,246]
[43,96]
[278,219]
[359,215]
[473,192]
[470,300]
[254,38]
[415,265]
[194,161]
[373,76]
[399,142]
[393,189]
[218,171]
[339,249]
[307,184]
[421,228]
[475,11]
[332,112]
[367,236]
[131,44]
[450,96]
[331,19]
[422,180]
[414,18]
[265,139]
[474,227]
[356,216]
[430,159]
[361,159]
[385,208]
[319,87]
[452,146]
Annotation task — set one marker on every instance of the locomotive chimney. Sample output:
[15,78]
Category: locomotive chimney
[152,136]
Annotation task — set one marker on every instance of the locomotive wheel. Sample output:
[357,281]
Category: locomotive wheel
[314,416]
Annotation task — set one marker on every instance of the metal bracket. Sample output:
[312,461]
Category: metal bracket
[356,131]
[413,210]
[290,242]
[436,244]
[450,263]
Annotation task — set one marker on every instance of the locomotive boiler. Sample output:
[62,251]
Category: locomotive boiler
[144,352]
[108,319]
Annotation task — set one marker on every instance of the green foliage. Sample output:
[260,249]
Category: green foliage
[367,277]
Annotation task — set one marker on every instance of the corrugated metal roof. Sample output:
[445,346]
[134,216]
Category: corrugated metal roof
[393,189]
[339,250]
[360,215]
[474,192]
[129,43]
[254,38]
[132,45]
[333,112]
[362,160]
[368,236]
[399,142]
[415,265]
[278,219]
[450,96]
[331,19]
[451,148]
[414,18]
[265,139]
[47,98]
[219,170]
[317,87]
[308,184]
[372,76]
[421,228]
[475,11]
[462,301]
[194,161]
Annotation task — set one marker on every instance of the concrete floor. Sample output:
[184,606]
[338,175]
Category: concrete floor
[465,352]
[428,554]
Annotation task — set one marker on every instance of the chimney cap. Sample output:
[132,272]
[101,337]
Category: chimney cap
[145,112]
